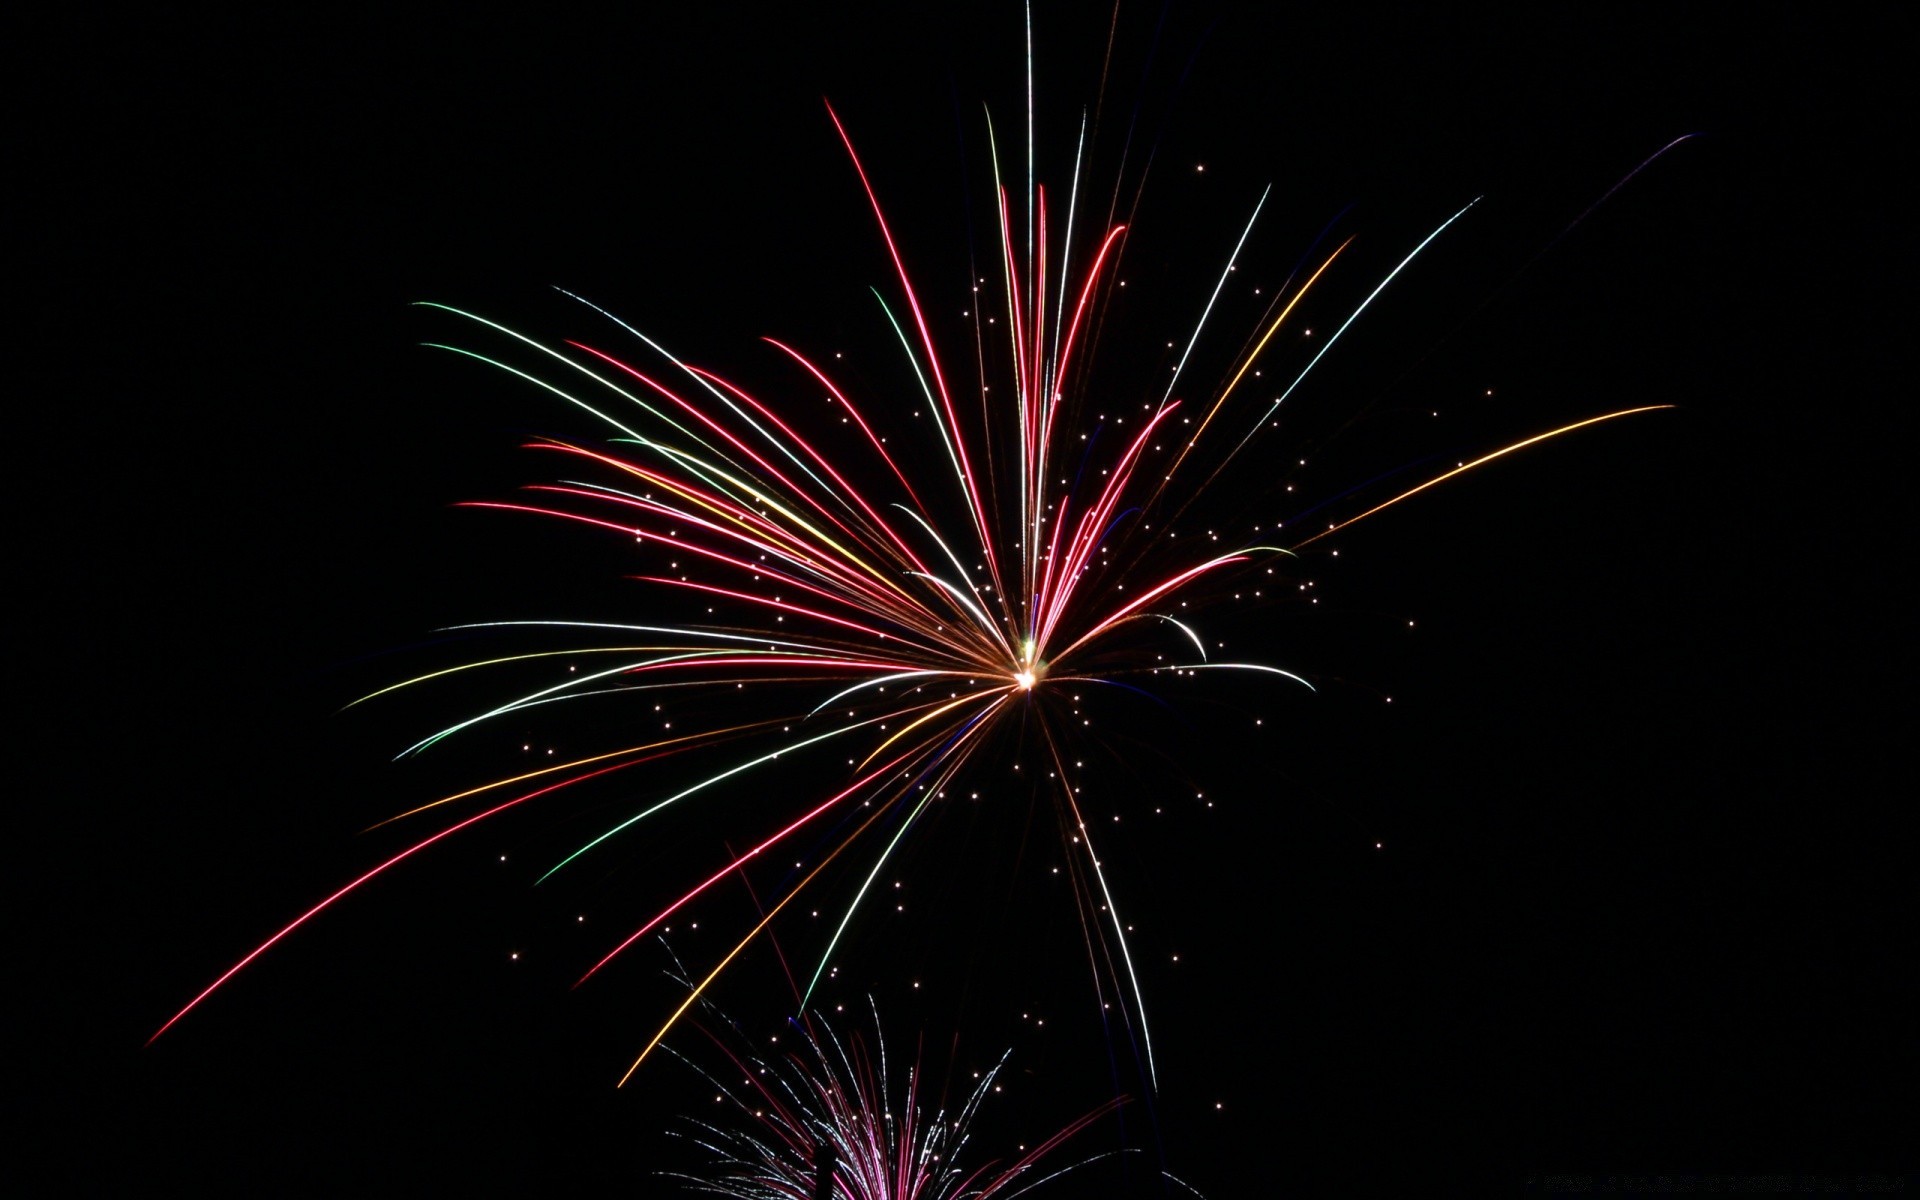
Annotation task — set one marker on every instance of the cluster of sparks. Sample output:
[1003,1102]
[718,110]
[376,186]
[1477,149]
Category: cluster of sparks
[826,1120]
[899,605]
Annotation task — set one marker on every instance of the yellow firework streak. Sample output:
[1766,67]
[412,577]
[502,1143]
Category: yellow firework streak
[1481,461]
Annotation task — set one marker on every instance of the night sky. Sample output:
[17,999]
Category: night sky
[1617,887]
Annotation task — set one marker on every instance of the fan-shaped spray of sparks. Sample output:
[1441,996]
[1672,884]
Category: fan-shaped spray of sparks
[904,615]
[830,1111]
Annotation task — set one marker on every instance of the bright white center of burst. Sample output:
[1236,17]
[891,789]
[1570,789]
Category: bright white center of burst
[1024,679]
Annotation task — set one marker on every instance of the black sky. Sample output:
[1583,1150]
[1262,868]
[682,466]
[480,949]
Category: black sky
[1638,906]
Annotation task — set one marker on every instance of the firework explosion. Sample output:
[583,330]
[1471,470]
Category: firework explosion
[902,611]
[826,1120]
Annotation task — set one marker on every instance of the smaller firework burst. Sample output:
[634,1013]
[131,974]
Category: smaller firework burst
[825,1120]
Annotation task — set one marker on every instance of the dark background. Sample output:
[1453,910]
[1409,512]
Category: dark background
[1639,905]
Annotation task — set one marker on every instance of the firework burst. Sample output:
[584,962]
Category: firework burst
[899,610]
[829,1120]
